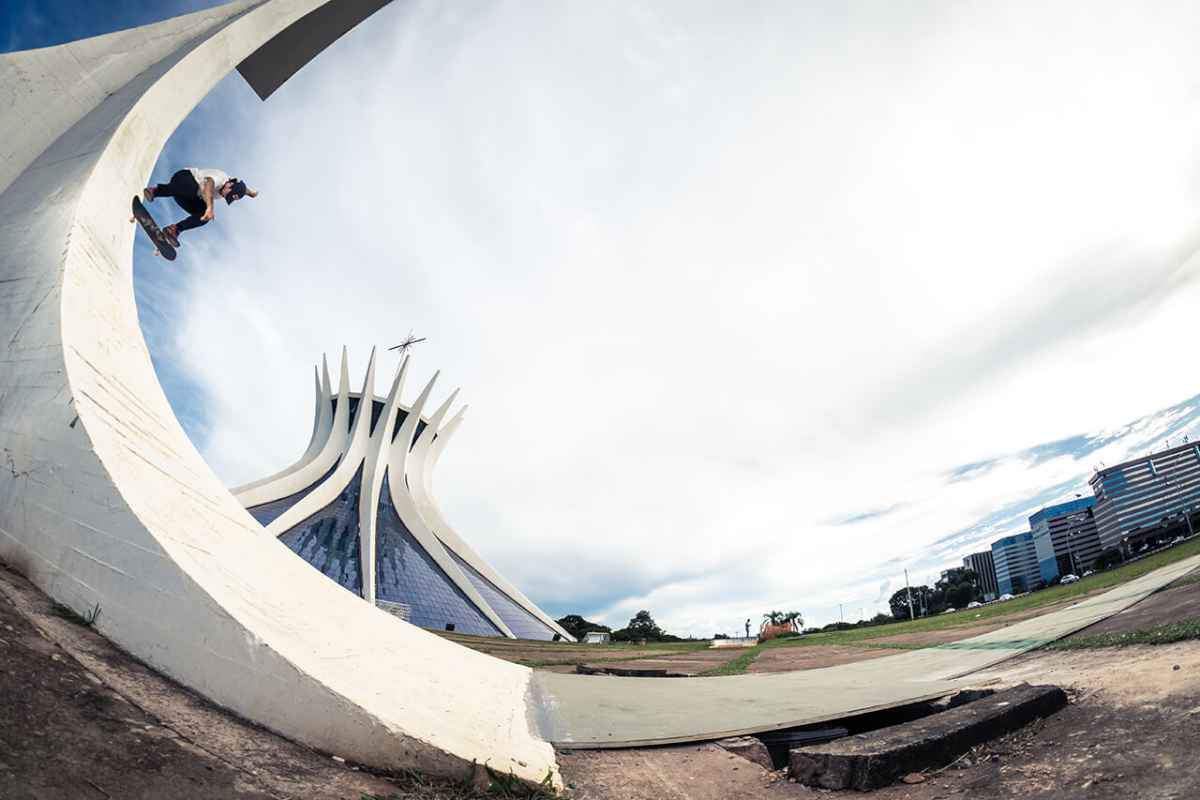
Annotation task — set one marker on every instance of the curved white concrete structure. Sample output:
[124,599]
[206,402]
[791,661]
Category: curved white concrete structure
[368,453]
[104,501]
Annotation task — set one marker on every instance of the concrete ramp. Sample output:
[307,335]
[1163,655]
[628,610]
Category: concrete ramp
[103,499]
[104,502]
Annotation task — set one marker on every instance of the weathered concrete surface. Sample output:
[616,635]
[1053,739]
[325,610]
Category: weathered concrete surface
[103,499]
[750,749]
[872,760]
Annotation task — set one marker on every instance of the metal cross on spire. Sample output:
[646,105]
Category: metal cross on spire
[408,342]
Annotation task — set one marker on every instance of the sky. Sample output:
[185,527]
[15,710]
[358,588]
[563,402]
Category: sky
[755,305]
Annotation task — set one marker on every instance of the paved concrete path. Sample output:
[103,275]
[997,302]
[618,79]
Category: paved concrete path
[576,711]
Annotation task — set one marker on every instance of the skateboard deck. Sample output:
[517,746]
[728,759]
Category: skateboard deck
[152,230]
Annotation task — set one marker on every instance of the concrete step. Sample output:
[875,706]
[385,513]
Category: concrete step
[872,760]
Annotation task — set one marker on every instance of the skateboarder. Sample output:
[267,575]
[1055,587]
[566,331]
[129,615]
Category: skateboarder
[194,190]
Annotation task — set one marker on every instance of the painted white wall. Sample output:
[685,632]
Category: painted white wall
[104,501]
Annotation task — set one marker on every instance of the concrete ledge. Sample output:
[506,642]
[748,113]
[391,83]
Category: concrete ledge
[872,760]
[628,672]
[750,749]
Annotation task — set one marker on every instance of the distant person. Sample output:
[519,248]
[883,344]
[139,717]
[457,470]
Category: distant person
[747,628]
[194,190]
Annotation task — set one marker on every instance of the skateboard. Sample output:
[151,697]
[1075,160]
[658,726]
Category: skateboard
[142,216]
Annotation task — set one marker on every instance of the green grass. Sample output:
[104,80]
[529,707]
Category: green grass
[995,611]
[735,666]
[87,619]
[1162,634]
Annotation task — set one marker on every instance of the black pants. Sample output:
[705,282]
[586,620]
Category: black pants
[186,191]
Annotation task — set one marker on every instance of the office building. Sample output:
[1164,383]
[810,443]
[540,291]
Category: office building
[1140,498]
[1065,538]
[983,565]
[1016,563]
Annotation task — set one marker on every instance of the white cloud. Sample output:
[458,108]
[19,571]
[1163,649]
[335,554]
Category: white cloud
[714,278]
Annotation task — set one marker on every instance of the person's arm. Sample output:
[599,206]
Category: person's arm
[207,192]
[251,193]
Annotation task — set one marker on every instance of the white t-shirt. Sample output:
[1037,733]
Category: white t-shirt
[218,179]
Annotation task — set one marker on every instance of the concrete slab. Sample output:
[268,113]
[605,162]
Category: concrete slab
[873,760]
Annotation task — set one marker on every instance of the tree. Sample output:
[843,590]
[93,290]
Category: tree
[794,620]
[921,596]
[1108,558]
[579,627]
[955,589]
[641,626]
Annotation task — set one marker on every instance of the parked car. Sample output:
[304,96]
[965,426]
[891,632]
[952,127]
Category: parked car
[974,604]
[1005,596]
[1177,540]
[1089,572]
[1068,578]
[950,610]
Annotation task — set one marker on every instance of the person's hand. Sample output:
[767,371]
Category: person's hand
[207,215]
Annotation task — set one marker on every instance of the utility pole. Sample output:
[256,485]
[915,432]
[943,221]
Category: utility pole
[841,617]
[911,614]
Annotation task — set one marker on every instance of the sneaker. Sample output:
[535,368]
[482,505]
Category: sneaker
[171,234]
[148,194]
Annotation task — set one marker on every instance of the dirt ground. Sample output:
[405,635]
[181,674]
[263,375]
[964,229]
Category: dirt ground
[557,657]
[1131,731]
[681,663]
[787,659]
[558,654]
[82,720]
[79,719]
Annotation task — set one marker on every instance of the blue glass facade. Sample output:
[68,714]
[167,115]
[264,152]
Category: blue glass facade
[1065,538]
[1061,510]
[523,624]
[1016,563]
[1047,563]
[269,512]
[405,573]
[329,538]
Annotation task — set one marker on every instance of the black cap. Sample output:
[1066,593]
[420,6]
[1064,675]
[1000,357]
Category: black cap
[237,192]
